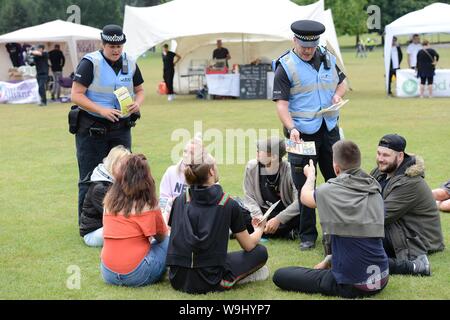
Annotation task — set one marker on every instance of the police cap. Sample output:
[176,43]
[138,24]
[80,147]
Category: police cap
[308,32]
[113,34]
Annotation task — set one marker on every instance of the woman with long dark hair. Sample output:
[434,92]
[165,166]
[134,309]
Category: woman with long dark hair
[135,234]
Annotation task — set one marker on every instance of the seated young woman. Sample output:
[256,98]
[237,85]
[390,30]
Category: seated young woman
[200,221]
[134,231]
[91,219]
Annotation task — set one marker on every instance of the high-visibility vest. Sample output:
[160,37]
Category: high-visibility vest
[311,91]
[106,81]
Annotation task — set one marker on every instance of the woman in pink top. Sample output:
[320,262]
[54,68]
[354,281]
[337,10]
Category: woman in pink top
[134,231]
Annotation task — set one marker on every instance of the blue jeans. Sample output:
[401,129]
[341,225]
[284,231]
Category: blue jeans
[94,239]
[149,271]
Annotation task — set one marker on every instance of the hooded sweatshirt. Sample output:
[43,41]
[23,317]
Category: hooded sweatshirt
[351,205]
[200,220]
[351,210]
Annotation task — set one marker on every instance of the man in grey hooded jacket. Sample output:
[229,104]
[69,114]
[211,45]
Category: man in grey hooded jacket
[350,208]
[412,220]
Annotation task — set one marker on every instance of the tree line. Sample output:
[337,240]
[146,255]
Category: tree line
[350,16]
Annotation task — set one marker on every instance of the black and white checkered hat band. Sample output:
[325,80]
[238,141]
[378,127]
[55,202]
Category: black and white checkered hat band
[307,38]
[114,38]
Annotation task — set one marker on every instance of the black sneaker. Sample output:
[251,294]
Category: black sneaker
[294,234]
[422,266]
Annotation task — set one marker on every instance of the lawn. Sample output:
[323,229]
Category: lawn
[39,237]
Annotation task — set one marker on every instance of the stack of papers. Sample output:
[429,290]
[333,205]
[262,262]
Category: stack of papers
[125,99]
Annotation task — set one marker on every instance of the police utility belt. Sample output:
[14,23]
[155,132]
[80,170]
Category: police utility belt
[81,121]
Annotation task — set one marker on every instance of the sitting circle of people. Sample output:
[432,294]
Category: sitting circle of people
[373,225]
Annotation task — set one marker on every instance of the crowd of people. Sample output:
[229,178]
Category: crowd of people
[379,224]
[26,54]
[420,57]
[373,225]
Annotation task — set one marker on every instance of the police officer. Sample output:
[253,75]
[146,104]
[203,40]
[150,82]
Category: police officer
[307,80]
[100,124]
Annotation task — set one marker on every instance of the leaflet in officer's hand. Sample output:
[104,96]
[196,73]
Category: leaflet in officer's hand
[125,99]
[304,148]
[334,107]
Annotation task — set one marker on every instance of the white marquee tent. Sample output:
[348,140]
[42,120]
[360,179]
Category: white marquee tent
[249,29]
[431,19]
[67,34]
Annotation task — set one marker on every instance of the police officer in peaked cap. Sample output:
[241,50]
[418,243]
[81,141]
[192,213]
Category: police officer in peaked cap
[97,120]
[307,80]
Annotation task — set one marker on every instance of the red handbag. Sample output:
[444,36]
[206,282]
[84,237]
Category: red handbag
[162,88]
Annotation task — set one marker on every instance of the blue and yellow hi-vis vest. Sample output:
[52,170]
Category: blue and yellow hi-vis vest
[311,91]
[106,81]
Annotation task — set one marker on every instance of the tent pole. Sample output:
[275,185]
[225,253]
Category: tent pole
[243,50]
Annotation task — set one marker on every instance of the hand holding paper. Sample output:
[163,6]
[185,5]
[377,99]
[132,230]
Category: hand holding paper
[125,100]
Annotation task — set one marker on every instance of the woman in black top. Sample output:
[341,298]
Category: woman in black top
[426,65]
[200,221]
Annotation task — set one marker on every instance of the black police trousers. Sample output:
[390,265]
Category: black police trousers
[324,141]
[92,148]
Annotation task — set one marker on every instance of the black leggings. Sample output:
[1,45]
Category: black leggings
[316,281]
[238,265]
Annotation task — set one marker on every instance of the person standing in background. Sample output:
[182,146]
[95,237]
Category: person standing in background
[41,62]
[57,61]
[427,59]
[221,52]
[170,59]
[412,51]
[396,60]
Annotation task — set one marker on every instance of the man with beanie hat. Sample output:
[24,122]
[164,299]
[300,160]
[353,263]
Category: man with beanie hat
[412,221]
[101,125]
[307,80]
[267,180]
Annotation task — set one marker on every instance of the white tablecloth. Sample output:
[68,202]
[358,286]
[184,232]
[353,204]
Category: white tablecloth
[223,84]
[408,84]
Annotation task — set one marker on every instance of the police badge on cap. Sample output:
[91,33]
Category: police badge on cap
[308,32]
[113,34]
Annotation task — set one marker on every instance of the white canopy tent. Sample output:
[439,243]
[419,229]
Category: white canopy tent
[431,19]
[69,35]
[250,29]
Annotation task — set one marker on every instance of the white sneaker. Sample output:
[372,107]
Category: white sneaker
[259,275]
[170,97]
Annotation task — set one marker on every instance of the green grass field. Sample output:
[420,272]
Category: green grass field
[39,237]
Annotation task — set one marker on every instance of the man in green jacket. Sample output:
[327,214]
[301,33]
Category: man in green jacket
[412,220]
